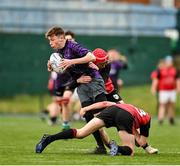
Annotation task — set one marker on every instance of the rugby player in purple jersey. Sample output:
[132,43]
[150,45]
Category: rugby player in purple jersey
[76,62]
[118,63]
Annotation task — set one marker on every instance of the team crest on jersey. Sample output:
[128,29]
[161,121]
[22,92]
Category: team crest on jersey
[116,96]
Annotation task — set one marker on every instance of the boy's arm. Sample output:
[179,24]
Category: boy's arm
[94,106]
[89,57]
[154,86]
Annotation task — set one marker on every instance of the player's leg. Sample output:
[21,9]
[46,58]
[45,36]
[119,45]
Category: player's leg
[53,112]
[171,106]
[100,145]
[162,106]
[128,143]
[171,112]
[105,137]
[66,110]
[91,93]
[127,147]
[75,105]
[90,127]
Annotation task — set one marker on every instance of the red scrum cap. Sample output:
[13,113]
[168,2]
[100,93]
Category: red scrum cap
[101,55]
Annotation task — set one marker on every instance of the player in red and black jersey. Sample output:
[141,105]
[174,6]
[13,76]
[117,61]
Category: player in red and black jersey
[104,67]
[125,117]
[166,82]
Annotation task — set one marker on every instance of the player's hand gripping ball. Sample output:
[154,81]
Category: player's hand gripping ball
[55,61]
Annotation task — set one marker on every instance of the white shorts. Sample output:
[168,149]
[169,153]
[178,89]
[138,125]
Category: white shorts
[167,96]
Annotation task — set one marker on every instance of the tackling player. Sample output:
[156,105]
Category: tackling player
[125,117]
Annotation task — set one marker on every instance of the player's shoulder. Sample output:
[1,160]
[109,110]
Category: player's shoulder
[72,44]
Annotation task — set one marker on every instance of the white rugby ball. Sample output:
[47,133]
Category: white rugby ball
[55,61]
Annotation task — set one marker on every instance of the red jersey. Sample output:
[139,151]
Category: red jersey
[140,116]
[109,85]
[167,78]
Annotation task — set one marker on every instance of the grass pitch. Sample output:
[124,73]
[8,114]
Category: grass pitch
[19,135]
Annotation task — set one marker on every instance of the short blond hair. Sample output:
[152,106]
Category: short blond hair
[57,31]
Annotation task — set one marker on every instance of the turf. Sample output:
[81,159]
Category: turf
[137,95]
[19,135]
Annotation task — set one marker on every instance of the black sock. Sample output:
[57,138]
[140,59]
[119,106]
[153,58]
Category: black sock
[45,111]
[88,116]
[171,121]
[67,134]
[53,119]
[160,122]
[125,150]
[98,139]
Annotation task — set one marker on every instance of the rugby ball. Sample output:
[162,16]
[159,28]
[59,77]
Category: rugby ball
[55,61]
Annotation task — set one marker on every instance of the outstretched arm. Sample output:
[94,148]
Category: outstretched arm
[97,105]
[89,57]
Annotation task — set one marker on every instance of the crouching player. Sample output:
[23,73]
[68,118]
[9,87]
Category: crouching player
[125,117]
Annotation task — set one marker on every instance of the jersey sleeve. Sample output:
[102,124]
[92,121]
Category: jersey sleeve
[154,75]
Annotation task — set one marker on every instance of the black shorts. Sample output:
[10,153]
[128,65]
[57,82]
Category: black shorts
[114,116]
[144,130]
[113,96]
[60,91]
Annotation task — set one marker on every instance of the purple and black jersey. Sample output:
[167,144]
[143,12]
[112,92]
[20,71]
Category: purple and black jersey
[73,50]
[116,67]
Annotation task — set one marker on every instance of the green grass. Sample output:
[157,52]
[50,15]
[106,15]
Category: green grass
[19,135]
[137,95]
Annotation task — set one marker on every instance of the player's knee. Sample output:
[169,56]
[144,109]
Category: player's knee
[80,134]
[125,150]
[66,100]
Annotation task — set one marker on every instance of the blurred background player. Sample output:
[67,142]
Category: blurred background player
[76,62]
[118,63]
[69,35]
[166,81]
[51,112]
[154,91]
